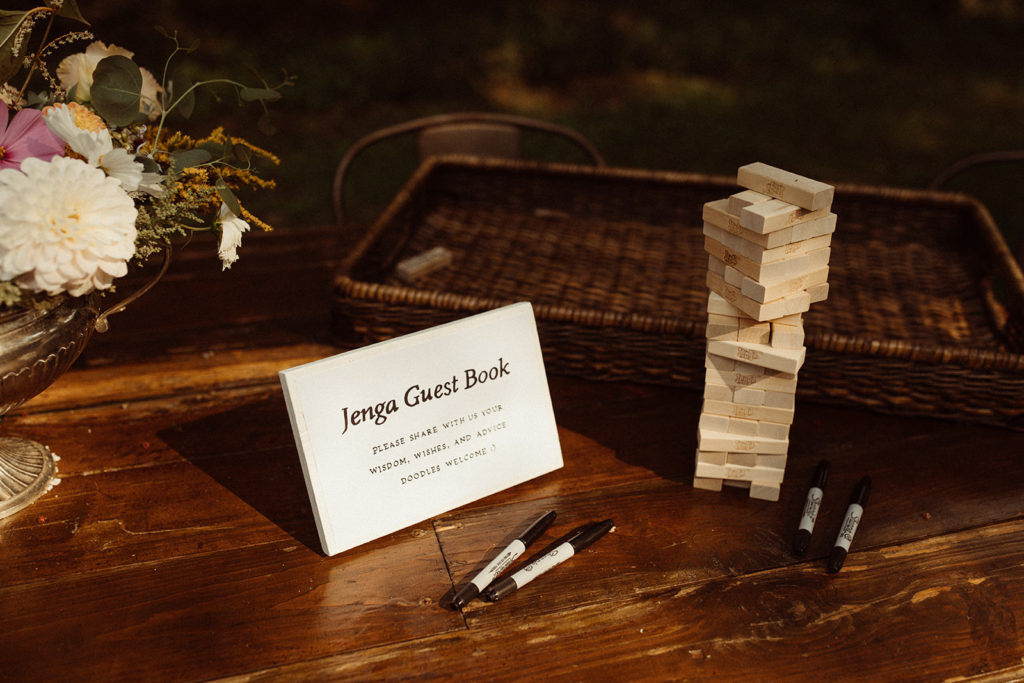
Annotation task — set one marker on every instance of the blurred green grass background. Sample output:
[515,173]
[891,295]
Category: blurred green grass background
[872,92]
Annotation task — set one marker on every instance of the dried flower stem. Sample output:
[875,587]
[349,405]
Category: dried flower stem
[35,58]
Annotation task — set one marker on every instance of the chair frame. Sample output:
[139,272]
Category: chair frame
[427,122]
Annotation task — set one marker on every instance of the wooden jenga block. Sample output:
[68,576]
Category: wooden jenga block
[793,249]
[784,360]
[723,327]
[787,336]
[771,380]
[730,443]
[816,227]
[719,363]
[776,415]
[711,457]
[717,214]
[716,266]
[715,423]
[789,187]
[767,217]
[764,292]
[707,483]
[732,276]
[753,332]
[772,430]
[739,473]
[736,484]
[818,258]
[775,461]
[417,266]
[762,272]
[817,293]
[741,200]
[729,378]
[763,490]
[779,399]
[718,392]
[787,305]
[716,304]
[741,426]
[742,367]
[741,459]
[795,319]
[747,396]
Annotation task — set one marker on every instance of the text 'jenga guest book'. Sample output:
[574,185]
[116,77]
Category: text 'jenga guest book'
[406,429]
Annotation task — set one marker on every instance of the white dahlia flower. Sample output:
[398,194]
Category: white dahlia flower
[64,226]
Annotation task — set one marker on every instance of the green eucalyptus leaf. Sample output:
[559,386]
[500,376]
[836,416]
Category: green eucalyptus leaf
[228,197]
[148,164]
[216,150]
[10,20]
[188,158]
[241,154]
[69,10]
[258,94]
[10,62]
[116,88]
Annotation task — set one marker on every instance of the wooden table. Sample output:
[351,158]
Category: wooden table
[180,544]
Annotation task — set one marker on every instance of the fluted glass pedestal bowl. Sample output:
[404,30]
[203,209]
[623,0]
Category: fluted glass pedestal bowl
[36,347]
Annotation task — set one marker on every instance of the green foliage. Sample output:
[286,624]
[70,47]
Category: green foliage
[116,90]
[69,10]
[10,59]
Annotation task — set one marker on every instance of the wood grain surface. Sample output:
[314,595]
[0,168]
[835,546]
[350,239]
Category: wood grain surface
[180,544]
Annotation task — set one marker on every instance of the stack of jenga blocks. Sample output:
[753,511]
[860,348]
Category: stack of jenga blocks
[768,249]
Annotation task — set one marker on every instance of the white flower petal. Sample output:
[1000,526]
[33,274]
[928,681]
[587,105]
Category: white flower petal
[231,229]
[118,163]
[90,144]
[64,226]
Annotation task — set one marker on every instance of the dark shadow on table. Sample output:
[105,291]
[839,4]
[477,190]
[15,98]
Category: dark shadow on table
[249,450]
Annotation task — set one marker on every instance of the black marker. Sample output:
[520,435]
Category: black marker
[502,561]
[576,542]
[811,507]
[853,514]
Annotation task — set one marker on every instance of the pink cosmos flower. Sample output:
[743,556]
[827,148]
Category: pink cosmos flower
[26,136]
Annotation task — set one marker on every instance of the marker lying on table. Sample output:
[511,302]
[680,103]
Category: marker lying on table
[574,543]
[811,507]
[502,561]
[853,514]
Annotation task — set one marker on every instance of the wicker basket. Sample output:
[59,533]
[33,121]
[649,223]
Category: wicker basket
[613,262]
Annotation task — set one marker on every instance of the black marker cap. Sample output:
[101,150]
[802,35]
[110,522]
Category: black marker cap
[861,492]
[465,595]
[836,558]
[499,589]
[821,475]
[537,528]
[590,534]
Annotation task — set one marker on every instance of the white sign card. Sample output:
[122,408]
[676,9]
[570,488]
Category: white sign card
[409,428]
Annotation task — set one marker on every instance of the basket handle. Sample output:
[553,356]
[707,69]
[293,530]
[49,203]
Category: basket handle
[102,325]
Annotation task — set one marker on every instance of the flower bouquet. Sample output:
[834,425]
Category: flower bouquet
[94,177]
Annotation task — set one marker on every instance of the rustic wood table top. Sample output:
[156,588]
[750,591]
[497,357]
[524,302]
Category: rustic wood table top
[180,544]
